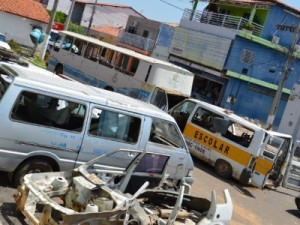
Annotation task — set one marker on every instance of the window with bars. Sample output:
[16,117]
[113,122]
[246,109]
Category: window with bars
[247,56]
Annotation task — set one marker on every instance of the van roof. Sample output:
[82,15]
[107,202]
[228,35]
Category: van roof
[41,79]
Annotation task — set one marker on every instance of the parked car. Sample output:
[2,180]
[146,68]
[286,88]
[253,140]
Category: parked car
[49,123]
[99,193]
[3,42]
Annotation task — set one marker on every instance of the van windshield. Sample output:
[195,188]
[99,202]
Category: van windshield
[164,132]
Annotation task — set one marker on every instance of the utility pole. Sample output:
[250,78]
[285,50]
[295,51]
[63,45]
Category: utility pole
[195,3]
[283,78]
[69,15]
[48,30]
[92,17]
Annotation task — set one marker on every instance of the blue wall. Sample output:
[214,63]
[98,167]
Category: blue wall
[252,100]
[277,16]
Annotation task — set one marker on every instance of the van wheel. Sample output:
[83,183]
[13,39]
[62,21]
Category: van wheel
[30,166]
[59,69]
[223,168]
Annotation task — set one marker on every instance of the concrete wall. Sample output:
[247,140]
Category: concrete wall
[142,25]
[18,28]
[107,16]
[291,117]
[63,5]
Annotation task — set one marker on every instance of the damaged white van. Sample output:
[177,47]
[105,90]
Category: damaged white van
[53,124]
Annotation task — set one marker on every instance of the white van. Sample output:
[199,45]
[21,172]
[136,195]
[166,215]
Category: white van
[237,147]
[53,124]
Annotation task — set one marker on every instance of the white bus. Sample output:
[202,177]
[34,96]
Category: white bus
[118,69]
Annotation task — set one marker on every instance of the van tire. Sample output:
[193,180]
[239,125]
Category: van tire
[30,166]
[223,168]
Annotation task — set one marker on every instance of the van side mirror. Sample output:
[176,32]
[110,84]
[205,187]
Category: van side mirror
[221,125]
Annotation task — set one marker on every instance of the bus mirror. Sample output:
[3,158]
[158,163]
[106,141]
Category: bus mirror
[221,125]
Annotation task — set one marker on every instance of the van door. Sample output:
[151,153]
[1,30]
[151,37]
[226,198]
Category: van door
[39,125]
[292,176]
[265,162]
[165,138]
[159,98]
[109,130]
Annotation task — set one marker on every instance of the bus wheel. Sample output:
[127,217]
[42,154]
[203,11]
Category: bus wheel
[223,168]
[59,69]
[30,166]
[108,88]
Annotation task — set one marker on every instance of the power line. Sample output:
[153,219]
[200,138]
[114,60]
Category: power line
[172,5]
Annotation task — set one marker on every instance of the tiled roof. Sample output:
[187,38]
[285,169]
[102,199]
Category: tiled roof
[26,8]
[113,31]
[110,5]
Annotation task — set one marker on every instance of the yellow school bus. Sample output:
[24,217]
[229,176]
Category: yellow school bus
[235,146]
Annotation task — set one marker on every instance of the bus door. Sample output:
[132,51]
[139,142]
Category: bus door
[159,98]
[292,176]
[266,160]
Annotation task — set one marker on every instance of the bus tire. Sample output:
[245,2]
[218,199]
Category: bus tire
[108,88]
[59,69]
[223,168]
[30,166]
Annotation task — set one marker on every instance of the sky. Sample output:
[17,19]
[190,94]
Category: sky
[170,10]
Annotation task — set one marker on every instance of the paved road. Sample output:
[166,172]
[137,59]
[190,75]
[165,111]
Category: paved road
[251,205]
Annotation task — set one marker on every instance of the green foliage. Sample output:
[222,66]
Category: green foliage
[60,17]
[248,26]
[36,61]
[75,28]
[16,47]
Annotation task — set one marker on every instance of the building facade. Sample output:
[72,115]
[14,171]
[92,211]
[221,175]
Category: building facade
[238,50]
[18,18]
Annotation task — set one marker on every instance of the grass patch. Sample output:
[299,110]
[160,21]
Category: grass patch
[36,61]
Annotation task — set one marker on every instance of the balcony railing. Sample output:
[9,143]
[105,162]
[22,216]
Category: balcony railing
[223,20]
[137,41]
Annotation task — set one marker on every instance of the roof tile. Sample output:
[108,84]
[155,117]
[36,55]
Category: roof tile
[26,8]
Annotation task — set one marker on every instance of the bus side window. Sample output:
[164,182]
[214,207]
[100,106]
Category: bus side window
[124,64]
[134,65]
[67,44]
[92,52]
[78,47]
[106,57]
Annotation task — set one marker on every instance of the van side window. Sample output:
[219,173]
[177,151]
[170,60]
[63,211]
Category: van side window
[239,134]
[114,125]
[182,112]
[165,133]
[48,111]
[229,129]
[205,119]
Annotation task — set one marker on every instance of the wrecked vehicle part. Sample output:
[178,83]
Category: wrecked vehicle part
[81,197]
